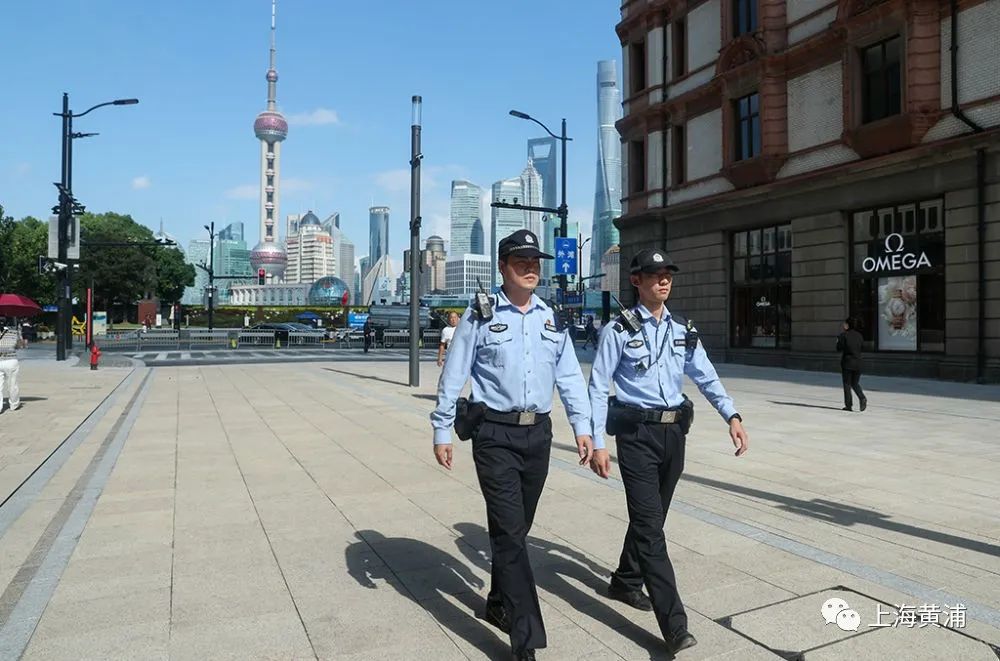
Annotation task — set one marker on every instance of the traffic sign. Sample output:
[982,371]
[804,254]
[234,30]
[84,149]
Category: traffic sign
[565,256]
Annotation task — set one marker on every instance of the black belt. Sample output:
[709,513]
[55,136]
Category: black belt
[656,416]
[519,418]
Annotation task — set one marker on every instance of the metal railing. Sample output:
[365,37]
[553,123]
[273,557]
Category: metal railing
[235,339]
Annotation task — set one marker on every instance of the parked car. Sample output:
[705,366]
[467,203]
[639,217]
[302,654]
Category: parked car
[280,329]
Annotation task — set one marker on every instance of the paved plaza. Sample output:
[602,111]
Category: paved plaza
[295,511]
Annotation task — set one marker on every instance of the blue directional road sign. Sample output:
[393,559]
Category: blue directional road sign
[565,256]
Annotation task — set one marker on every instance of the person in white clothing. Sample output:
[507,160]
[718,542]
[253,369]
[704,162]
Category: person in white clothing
[447,333]
[10,342]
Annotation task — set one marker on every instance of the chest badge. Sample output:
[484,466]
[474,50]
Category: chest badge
[680,343]
[550,326]
[634,344]
[498,328]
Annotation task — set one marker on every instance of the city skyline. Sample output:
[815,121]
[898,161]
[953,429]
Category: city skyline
[349,150]
[607,189]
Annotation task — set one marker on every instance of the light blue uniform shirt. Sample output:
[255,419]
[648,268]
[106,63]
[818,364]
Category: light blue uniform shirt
[648,371]
[514,360]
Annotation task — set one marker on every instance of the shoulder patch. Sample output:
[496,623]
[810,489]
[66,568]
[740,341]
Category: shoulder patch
[498,328]
[618,327]
[634,344]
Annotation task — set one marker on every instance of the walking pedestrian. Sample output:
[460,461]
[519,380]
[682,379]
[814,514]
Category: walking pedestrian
[515,351]
[849,344]
[646,353]
[590,333]
[369,334]
[10,342]
[447,333]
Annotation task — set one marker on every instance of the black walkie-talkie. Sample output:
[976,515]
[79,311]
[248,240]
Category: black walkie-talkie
[483,306]
[629,317]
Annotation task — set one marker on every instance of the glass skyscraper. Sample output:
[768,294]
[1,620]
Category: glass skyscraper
[466,218]
[543,154]
[504,221]
[607,197]
[378,233]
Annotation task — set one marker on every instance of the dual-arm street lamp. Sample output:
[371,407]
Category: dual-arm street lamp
[210,270]
[579,263]
[66,208]
[562,210]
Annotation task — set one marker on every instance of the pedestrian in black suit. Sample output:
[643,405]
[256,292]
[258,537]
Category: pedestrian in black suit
[849,345]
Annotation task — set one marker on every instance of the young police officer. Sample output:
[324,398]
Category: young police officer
[515,353]
[646,353]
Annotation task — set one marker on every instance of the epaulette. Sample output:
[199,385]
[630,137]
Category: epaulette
[621,325]
[690,332]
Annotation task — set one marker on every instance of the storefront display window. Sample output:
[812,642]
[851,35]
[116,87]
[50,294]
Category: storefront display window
[898,276]
[761,287]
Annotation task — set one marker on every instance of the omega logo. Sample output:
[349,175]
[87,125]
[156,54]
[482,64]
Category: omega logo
[894,258]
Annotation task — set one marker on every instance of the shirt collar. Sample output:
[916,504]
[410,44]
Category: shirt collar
[503,301]
[648,316]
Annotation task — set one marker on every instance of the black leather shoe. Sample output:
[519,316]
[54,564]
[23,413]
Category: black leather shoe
[634,598]
[847,408]
[497,616]
[864,404]
[680,640]
[526,655]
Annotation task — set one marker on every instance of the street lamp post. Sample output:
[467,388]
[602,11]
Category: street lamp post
[415,158]
[66,208]
[579,263]
[563,210]
[210,270]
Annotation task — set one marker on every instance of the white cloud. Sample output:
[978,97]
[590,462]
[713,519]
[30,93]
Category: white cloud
[317,117]
[244,192]
[293,184]
[141,183]
[394,181]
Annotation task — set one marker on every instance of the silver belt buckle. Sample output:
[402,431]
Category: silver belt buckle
[525,418]
[668,417]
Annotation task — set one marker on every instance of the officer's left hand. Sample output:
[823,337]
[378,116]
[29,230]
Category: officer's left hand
[585,447]
[740,438]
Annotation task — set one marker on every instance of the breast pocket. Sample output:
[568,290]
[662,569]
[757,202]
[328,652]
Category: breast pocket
[551,343]
[635,360]
[494,347]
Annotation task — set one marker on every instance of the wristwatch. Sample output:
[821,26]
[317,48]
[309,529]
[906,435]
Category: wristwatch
[735,416]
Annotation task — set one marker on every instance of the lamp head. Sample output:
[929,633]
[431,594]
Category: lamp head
[125,102]
[520,115]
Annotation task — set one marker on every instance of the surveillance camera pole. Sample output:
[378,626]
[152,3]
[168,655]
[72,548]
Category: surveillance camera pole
[415,158]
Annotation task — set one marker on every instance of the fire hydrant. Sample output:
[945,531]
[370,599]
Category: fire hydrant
[95,355]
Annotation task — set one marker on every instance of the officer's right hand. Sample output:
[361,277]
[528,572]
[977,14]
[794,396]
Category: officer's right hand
[600,463]
[442,453]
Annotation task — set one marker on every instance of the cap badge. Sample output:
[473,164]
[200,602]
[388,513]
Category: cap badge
[528,239]
[657,257]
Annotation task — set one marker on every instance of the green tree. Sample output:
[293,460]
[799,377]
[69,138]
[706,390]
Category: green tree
[21,242]
[173,274]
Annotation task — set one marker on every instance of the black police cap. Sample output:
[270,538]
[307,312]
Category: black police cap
[521,242]
[651,260]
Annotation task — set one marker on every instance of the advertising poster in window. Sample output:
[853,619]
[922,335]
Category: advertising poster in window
[897,313]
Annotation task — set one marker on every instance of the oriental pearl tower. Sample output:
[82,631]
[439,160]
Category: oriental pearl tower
[271,129]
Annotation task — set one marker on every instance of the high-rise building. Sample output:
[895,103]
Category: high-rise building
[378,233]
[435,274]
[197,253]
[378,283]
[232,232]
[611,268]
[531,189]
[310,252]
[543,154]
[463,273]
[343,248]
[466,218]
[607,195]
[271,129]
[504,221]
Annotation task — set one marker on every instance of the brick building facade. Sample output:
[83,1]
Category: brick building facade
[810,160]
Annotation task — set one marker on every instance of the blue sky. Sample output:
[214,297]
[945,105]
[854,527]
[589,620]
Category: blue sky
[187,153]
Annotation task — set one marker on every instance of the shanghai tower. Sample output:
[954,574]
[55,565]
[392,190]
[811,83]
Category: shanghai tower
[607,196]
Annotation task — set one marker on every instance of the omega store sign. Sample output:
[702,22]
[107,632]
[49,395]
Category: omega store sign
[898,281]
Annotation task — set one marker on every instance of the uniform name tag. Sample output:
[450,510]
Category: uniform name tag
[498,328]
[634,344]
[550,326]
[680,343]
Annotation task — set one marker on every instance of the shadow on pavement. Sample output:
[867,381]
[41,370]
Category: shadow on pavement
[365,566]
[837,513]
[366,376]
[558,571]
[34,399]
[432,398]
[804,405]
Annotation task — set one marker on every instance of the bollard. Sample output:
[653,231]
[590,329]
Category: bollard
[95,356]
